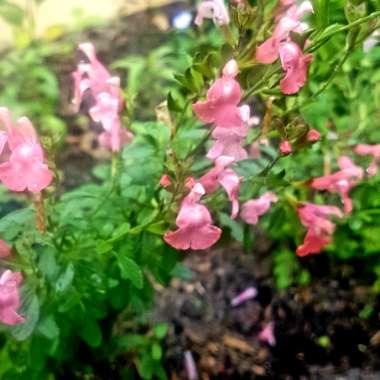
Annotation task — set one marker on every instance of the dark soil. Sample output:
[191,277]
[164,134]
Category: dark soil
[319,332]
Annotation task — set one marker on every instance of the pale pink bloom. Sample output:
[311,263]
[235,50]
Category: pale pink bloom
[221,175]
[228,141]
[195,229]
[295,65]
[287,3]
[266,335]
[313,135]
[244,296]
[254,208]
[371,41]
[5,249]
[212,9]
[10,298]
[165,181]
[285,148]
[191,368]
[316,219]
[25,168]
[268,52]
[341,182]
[370,150]
[221,107]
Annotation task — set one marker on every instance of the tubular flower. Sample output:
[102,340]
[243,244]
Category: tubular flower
[266,335]
[370,150]
[295,65]
[25,167]
[195,229]
[228,141]
[212,9]
[319,227]
[221,107]
[254,208]
[290,21]
[10,298]
[341,182]
[93,79]
[225,177]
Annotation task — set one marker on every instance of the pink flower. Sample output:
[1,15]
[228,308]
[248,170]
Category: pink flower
[253,209]
[225,177]
[25,168]
[287,3]
[10,298]
[228,141]
[370,150]
[223,97]
[246,295]
[295,65]
[269,51]
[313,135]
[285,148]
[195,229]
[266,335]
[320,228]
[341,182]
[165,181]
[213,9]
[5,249]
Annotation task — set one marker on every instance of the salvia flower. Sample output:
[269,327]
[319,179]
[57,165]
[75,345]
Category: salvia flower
[244,296]
[254,208]
[212,9]
[93,81]
[266,335]
[25,167]
[295,64]
[221,107]
[341,182]
[194,222]
[10,298]
[319,227]
[222,175]
[370,150]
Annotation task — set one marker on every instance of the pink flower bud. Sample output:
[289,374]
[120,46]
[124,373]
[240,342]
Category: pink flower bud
[266,335]
[285,148]
[5,249]
[313,135]
[165,181]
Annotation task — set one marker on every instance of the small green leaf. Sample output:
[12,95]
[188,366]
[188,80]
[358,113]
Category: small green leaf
[161,330]
[48,327]
[91,333]
[130,271]
[65,279]
[156,351]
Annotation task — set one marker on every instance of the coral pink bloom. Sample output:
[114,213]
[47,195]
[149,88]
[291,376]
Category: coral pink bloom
[267,334]
[287,3]
[253,209]
[195,229]
[341,182]
[227,178]
[285,148]
[10,298]
[320,228]
[223,97]
[313,135]
[212,9]
[268,52]
[25,168]
[5,249]
[295,65]
[370,150]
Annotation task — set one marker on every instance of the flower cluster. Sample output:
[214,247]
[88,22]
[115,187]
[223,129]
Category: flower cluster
[24,167]
[279,45]
[94,85]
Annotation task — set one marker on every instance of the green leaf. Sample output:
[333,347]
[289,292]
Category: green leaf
[15,222]
[156,351]
[91,333]
[48,327]
[31,312]
[130,271]
[161,330]
[65,279]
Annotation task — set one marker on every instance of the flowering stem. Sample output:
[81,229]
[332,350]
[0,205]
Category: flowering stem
[40,212]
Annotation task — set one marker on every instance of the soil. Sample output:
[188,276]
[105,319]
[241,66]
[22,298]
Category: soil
[319,333]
